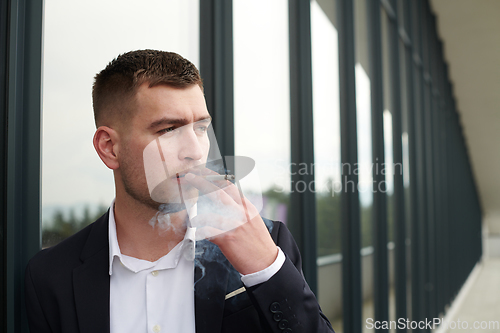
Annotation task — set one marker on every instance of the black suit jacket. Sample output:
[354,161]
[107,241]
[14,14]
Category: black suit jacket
[67,289]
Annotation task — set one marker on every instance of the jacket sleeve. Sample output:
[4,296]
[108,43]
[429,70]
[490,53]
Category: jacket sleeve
[285,302]
[36,318]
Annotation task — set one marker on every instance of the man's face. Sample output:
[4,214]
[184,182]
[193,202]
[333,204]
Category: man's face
[175,121]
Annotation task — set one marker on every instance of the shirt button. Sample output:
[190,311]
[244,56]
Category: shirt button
[155,273]
[156,328]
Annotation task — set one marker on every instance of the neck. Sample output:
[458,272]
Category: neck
[144,234]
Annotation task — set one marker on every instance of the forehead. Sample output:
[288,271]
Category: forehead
[161,101]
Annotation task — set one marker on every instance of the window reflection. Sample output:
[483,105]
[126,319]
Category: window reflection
[262,97]
[327,172]
[365,161]
[326,117]
[365,155]
[80,38]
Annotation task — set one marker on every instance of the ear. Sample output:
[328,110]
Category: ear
[106,146]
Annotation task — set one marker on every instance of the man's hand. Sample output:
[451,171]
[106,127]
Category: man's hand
[234,225]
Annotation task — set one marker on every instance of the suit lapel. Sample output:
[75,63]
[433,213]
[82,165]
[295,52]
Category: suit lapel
[91,281]
[210,282]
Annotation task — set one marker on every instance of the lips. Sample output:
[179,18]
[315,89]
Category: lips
[180,175]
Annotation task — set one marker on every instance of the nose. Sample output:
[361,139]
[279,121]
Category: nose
[191,145]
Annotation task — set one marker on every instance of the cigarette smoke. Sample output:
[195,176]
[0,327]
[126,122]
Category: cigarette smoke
[212,215]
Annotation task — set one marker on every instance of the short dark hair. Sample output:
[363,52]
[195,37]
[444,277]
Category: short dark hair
[118,82]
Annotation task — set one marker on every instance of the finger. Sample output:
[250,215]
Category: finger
[207,171]
[212,191]
[250,210]
[212,225]
[221,222]
[226,185]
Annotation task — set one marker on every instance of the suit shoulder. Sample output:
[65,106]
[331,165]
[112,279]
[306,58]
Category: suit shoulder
[68,252]
[277,229]
[282,236]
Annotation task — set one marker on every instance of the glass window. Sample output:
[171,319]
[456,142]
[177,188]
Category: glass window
[389,167]
[326,117]
[388,147]
[262,97]
[405,109]
[363,118]
[365,157]
[80,38]
[405,124]
[326,122]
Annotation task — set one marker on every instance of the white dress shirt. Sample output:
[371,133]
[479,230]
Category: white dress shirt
[159,296]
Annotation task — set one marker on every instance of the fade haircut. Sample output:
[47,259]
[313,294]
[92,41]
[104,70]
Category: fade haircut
[115,86]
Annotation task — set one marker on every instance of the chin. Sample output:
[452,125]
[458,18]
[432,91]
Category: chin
[169,208]
[164,193]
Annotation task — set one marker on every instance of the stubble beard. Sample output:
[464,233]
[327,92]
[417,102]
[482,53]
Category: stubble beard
[135,185]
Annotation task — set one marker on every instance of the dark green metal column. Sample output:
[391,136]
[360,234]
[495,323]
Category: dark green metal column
[415,212]
[455,191]
[302,221]
[21,146]
[420,135]
[379,208]
[430,176]
[4,28]
[447,192]
[216,68]
[399,193]
[440,171]
[350,215]
[433,85]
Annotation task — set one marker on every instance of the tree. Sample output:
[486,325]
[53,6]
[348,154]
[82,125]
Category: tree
[62,227]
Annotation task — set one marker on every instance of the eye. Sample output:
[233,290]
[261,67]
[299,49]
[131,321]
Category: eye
[201,129]
[166,130]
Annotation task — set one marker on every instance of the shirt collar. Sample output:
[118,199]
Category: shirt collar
[186,246]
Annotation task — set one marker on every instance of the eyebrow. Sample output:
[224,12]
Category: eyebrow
[176,121]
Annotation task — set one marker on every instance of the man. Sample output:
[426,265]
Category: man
[133,270]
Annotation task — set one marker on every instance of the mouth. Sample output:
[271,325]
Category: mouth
[180,175]
[178,179]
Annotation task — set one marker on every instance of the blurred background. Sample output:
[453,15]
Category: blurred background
[374,125]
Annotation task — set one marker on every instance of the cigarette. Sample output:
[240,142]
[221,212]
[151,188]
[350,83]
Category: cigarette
[219,177]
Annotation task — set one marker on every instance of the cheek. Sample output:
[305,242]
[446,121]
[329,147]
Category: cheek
[133,153]
[206,148]
[207,145]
